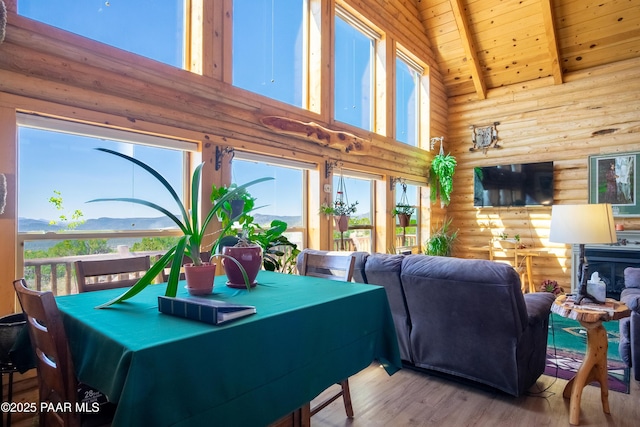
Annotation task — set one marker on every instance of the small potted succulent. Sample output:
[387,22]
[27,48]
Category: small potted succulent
[551,286]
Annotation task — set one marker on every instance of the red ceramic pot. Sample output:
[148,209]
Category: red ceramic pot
[250,257]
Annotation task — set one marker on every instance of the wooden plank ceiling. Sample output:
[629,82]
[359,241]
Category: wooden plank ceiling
[485,44]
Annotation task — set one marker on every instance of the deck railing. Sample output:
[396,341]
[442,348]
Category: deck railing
[58,274]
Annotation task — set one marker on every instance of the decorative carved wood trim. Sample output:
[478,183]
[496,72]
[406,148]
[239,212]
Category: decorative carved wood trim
[338,140]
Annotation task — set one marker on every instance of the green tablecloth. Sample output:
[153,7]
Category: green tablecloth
[162,370]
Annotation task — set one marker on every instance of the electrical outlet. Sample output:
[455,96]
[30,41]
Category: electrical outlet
[327,188]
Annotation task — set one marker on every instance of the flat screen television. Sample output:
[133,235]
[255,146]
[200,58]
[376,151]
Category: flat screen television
[524,184]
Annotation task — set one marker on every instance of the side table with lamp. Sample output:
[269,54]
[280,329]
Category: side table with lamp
[586,224]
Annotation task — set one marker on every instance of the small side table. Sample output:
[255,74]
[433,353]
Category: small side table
[594,365]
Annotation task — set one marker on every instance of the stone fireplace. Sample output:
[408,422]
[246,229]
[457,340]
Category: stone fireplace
[609,260]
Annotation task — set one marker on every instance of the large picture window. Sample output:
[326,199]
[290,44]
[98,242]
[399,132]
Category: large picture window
[354,67]
[60,170]
[268,48]
[407,100]
[282,198]
[145,27]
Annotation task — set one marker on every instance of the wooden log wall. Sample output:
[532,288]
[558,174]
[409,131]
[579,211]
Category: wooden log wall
[594,112]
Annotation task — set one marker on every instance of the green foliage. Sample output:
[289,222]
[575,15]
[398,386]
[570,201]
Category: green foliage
[190,223]
[278,253]
[76,217]
[154,244]
[224,215]
[403,210]
[440,242]
[442,169]
[338,208]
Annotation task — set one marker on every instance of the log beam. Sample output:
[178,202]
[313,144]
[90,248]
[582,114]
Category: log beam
[310,131]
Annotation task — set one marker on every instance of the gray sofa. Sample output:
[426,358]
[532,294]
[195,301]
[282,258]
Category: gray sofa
[462,317]
[630,326]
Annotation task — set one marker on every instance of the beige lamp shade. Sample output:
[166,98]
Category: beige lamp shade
[582,224]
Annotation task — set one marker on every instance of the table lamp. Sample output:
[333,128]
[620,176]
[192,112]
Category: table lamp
[582,224]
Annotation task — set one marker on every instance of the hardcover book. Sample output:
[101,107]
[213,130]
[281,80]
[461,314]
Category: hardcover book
[206,310]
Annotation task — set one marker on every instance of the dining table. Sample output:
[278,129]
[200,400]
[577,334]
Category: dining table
[163,370]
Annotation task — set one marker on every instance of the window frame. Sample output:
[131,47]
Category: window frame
[190,151]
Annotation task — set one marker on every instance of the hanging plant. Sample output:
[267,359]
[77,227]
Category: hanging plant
[443,166]
[403,207]
[341,205]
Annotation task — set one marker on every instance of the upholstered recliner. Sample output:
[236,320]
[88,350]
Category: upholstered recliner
[630,326]
[462,317]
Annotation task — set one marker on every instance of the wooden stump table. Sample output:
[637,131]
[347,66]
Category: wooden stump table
[594,365]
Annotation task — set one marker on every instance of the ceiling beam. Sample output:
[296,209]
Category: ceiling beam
[552,41]
[469,48]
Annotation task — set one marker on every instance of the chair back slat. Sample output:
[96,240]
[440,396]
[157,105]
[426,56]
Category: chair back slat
[110,273]
[328,266]
[56,376]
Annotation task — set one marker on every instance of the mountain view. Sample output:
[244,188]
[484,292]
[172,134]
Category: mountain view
[26,225]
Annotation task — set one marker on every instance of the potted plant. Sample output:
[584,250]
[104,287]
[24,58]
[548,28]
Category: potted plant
[272,241]
[190,223]
[237,207]
[341,212]
[403,212]
[440,242]
[443,166]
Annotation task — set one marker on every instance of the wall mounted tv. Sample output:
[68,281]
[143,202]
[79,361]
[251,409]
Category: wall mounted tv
[524,184]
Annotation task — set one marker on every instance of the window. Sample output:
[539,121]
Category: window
[354,68]
[144,27]
[283,198]
[407,100]
[268,48]
[359,237]
[60,170]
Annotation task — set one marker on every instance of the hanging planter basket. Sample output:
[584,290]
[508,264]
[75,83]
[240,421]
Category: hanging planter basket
[404,219]
[341,222]
[403,210]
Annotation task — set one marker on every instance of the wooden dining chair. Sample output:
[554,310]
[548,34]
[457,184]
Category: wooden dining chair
[332,267]
[57,383]
[110,273]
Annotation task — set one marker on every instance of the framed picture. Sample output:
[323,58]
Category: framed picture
[613,179]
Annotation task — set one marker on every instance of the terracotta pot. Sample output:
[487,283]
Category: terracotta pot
[404,220]
[200,278]
[342,222]
[250,257]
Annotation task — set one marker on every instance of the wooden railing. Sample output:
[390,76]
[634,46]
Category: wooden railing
[64,284]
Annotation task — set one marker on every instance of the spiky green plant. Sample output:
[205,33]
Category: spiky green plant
[191,224]
[440,242]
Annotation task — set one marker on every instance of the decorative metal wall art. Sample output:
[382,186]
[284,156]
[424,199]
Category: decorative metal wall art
[221,152]
[484,138]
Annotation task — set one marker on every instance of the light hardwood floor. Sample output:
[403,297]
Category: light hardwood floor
[410,398]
